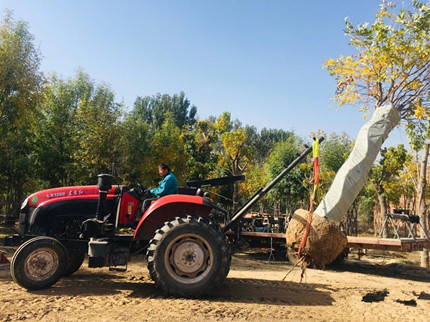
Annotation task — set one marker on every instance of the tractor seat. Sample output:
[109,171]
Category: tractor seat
[192,191]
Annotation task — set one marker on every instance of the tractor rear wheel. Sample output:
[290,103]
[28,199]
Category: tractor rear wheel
[38,263]
[189,256]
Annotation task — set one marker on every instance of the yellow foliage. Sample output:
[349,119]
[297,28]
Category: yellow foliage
[392,60]
[420,111]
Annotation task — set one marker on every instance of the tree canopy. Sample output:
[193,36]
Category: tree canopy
[392,64]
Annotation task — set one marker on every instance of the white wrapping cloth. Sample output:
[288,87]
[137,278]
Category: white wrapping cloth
[352,176]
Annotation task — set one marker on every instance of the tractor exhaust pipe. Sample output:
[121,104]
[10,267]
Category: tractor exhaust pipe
[104,184]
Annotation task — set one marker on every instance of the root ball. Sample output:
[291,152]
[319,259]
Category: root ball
[325,241]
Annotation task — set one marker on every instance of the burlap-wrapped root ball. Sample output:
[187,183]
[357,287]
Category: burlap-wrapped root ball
[325,241]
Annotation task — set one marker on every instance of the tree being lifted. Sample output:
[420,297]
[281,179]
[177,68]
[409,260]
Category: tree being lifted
[391,72]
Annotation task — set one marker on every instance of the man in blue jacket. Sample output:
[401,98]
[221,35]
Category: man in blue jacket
[168,185]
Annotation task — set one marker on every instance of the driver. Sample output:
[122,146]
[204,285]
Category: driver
[168,183]
[168,186]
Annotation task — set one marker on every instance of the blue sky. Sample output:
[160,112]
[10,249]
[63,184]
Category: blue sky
[260,60]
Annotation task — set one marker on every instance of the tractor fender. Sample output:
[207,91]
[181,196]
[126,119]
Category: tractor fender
[169,207]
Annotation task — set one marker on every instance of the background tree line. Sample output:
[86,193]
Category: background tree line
[58,131]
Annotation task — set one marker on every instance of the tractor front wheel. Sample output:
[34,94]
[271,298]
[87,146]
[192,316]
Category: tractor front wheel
[189,256]
[39,263]
[74,262]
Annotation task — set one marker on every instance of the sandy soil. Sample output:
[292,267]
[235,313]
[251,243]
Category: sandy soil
[253,291]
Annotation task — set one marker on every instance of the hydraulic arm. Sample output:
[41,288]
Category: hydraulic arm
[261,192]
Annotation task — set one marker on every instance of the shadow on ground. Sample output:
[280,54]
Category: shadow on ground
[237,290]
[395,270]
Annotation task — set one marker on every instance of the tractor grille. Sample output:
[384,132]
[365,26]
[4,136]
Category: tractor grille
[24,220]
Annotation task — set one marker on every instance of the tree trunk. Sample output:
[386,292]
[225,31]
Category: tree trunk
[378,223]
[422,203]
[235,197]
[349,225]
[352,176]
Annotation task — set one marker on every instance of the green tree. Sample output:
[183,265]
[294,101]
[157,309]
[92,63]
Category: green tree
[264,141]
[135,139]
[200,140]
[20,85]
[419,136]
[334,151]
[54,144]
[153,109]
[290,193]
[385,177]
[96,134]
[167,147]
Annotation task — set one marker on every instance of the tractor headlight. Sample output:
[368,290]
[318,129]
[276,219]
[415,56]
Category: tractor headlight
[24,203]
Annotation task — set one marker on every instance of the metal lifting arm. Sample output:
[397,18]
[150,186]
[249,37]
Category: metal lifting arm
[260,193]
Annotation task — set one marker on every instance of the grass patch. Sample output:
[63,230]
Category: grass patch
[406,262]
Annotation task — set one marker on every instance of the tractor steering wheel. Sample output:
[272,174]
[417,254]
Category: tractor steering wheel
[142,191]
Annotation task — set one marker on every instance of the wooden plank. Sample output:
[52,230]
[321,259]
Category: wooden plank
[374,241]
[404,244]
[256,234]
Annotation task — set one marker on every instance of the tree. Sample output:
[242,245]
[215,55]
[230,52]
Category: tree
[95,135]
[200,141]
[264,141]
[135,138]
[167,147]
[291,192]
[334,151]
[235,157]
[20,78]
[391,66]
[20,84]
[153,109]
[391,72]
[234,153]
[385,178]
[423,206]
[256,177]
[54,143]
[419,135]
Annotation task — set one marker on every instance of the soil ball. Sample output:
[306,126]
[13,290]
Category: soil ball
[325,241]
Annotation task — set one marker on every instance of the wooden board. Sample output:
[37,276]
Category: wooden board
[403,244]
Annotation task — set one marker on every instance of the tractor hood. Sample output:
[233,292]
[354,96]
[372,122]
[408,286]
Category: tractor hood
[76,192]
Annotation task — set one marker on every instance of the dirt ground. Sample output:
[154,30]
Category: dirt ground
[254,290]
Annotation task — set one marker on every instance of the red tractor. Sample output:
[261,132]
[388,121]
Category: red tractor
[187,252]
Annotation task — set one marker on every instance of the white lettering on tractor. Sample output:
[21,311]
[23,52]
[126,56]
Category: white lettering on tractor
[55,194]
